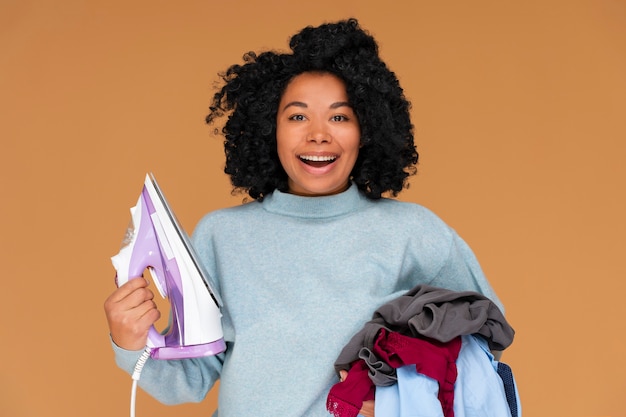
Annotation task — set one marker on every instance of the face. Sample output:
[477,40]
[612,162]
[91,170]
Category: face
[318,135]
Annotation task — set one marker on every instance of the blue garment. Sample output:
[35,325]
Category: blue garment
[510,389]
[299,276]
[478,392]
[414,395]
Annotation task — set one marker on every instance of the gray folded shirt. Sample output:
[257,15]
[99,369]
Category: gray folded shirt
[430,312]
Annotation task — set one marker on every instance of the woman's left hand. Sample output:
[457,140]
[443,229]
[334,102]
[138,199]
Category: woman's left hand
[367,410]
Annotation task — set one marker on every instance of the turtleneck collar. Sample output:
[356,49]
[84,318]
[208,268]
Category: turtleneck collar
[314,207]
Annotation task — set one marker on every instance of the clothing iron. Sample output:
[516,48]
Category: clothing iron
[155,241]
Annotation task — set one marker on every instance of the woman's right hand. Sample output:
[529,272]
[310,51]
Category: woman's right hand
[130,312]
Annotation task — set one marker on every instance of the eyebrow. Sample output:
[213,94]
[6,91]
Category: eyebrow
[335,105]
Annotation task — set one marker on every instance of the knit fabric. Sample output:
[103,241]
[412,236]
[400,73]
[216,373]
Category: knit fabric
[299,276]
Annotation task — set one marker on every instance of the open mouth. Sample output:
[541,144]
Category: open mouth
[318,160]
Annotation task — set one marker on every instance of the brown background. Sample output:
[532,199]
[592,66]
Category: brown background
[520,120]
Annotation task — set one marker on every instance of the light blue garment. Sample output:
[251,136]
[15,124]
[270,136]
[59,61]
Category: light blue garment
[414,395]
[299,276]
[478,391]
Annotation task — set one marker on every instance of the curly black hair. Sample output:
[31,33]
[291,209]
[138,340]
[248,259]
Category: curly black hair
[251,92]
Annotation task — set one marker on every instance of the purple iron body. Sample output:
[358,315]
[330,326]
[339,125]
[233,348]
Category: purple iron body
[156,241]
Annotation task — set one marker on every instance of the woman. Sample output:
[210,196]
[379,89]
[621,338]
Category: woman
[316,137]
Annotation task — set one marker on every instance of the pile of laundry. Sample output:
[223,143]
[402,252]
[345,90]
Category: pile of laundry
[428,353]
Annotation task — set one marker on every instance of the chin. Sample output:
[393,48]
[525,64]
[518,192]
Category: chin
[319,191]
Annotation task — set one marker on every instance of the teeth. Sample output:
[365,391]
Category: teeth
[317,158]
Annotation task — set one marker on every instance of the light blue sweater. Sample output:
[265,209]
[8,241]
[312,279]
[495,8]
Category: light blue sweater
[298,277]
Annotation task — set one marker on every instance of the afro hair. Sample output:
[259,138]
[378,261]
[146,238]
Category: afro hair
[251,91]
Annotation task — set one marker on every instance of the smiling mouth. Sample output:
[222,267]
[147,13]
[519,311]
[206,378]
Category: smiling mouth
[318,160]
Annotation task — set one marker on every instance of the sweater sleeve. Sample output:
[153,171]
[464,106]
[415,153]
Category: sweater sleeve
[462,272]
[172,381]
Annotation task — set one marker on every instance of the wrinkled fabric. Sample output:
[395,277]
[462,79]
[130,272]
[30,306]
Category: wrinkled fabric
[346,398]
[436,313]
[415,395]
[434,359]
[478,391]
[380,372]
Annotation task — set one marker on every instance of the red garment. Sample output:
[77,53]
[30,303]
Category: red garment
[345,399]
[434,359]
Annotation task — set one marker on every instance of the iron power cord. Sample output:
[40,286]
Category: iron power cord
[136,375]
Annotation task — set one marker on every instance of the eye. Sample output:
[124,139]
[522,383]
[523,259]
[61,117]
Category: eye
[297,117]
[339,118]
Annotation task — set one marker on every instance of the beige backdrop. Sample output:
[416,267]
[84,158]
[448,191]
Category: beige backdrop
[520,120]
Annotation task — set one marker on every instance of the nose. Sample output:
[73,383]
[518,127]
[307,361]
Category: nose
[318,134]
